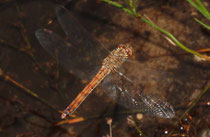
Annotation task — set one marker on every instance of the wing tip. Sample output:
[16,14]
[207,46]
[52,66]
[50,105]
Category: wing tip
[166,111]
[59,9]
[41,32]
[38,32]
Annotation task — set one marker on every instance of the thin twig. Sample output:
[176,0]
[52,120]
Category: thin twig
[9,79]
[190,107]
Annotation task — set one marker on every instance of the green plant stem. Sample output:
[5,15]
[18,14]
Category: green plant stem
[200,7]
[190,107]
[137,15]
[203,24]
[118,6]
[171,37]
[195,102]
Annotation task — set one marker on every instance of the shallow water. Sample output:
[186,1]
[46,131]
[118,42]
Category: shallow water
[24,115]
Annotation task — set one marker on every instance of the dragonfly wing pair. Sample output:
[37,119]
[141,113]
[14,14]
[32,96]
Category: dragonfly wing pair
[81,55]
[126,93]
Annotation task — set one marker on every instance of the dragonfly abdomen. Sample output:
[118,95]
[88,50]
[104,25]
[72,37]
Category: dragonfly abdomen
[103,72]
[110,63]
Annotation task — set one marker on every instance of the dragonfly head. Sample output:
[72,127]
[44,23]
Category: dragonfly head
[126,49]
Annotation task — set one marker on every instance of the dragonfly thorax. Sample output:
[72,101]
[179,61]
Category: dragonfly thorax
[117,57]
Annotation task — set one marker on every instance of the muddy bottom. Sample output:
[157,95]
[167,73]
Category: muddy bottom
[35,87]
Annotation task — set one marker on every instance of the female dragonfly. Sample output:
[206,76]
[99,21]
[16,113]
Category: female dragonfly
[83,54]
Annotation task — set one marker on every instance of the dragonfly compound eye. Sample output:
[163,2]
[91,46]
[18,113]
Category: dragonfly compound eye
[126,49]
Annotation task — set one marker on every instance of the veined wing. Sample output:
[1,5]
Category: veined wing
[128,92]
[81,55]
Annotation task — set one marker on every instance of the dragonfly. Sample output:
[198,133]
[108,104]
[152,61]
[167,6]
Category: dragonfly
[81,54]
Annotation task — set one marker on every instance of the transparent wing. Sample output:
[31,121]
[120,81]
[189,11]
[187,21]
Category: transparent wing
[78,35]
[128,92]
[81,55]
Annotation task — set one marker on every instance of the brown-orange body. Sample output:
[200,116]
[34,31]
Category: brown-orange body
[109,64]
